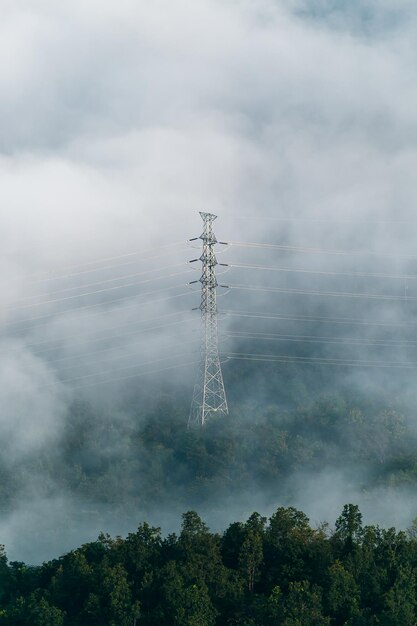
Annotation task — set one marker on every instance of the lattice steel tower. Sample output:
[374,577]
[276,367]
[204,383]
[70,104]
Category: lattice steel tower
[209,398]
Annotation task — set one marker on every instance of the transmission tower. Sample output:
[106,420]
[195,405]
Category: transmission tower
[209,398]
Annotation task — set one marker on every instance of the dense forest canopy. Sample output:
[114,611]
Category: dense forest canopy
[275,572]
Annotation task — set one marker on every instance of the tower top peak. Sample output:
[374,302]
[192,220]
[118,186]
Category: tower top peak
[207,216]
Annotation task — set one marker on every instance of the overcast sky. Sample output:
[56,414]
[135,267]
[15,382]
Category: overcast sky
[121,120]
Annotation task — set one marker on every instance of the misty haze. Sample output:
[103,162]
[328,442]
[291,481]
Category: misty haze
[295,124]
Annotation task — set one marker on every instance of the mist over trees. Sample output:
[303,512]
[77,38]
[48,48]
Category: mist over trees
[308,446]
[294,122]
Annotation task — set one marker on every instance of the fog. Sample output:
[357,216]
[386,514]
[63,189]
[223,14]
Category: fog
[295,122]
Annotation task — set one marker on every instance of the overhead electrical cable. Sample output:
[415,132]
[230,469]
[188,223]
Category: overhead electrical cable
[97,291]
[323,272]
[111,353]
[333,294]
[314,220]
[107,359]
[89,333]
[391,343]
[284,247]
[286,358]
[80,355]
[118,379]
[136,253]
[106,281]
[317,318]
[88,307]
[121,369]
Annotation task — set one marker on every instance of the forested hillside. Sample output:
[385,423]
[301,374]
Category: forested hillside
[276,572]
[157,458]
[144,458]
[113,466]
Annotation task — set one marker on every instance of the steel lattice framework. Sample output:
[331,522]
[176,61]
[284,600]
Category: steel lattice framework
[209,397]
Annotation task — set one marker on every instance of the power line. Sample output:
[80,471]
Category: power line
[287,248]
[323,272]
[97,291]
[106,281]
[101,304]
[314,220]
[121,369]
[317,318]
[391,343]
[107,359]
[136,253]
[105,337]
[111,348]
[338,294]
[209,290]
[130,377]
[285,358]
[297,338]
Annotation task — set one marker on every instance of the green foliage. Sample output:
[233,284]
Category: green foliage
[251,557]
[33,611]
[400,600]
[119,608]
[163,464]
[303,607]
[349,524]
[259,572]
[276,572]
[343,597]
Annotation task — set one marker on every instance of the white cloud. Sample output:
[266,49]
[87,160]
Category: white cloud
[119,121]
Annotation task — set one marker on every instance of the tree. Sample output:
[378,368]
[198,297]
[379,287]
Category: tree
[251,557]
[348,530]
[198,609]
[400,600]
[343,595]
[192,525]
[5,577]
[117,602]
[288,540]
[34,611]
[140,553]
[72,583]
[301,606]
[349,523]
[198,552]
[181,604]
[231,544]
